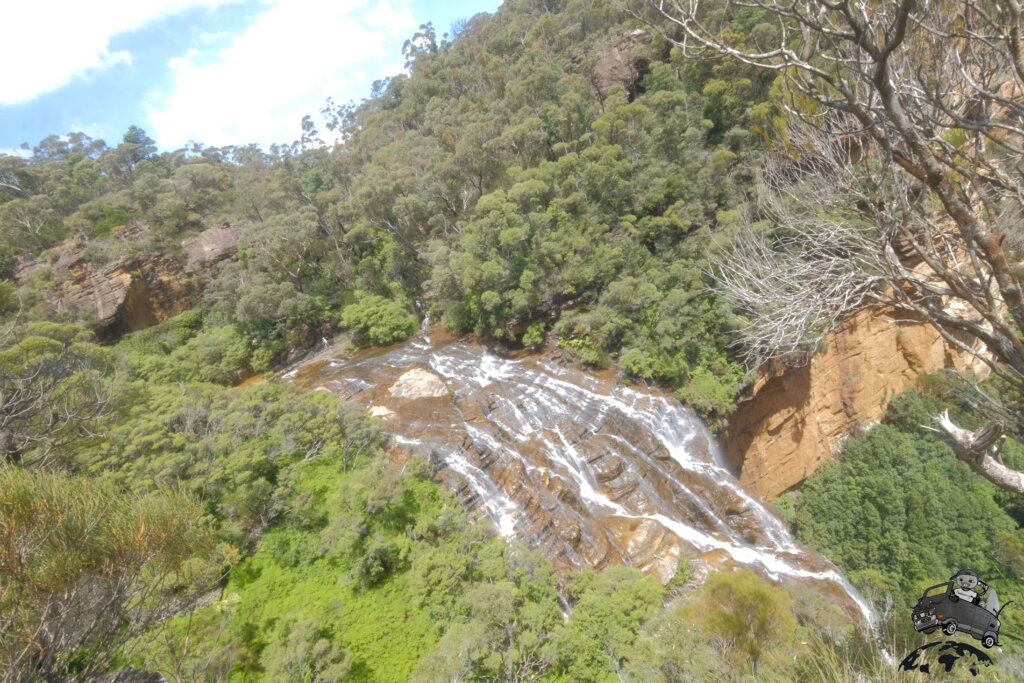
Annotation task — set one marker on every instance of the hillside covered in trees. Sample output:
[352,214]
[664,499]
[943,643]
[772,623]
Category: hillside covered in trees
[558,173]
[546,172]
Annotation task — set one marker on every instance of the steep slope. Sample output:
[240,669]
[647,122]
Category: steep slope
[798,417]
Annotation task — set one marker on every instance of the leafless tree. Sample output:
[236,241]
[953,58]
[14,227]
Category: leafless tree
[911,116]
[794,285]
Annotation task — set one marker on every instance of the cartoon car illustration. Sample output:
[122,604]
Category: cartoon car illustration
[943,609]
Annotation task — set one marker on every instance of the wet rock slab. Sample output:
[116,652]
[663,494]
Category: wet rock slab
[591,472]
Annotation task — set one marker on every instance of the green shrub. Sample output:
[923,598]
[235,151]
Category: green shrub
[181,349]
[742,609]
[710,395]
[583,350]
[378,321]
[8,297]
[534,335]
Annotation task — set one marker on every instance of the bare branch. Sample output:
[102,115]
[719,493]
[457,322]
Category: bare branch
[901,180]
[975,449]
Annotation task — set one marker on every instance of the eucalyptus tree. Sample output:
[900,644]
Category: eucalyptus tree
[900,180]
[56,389]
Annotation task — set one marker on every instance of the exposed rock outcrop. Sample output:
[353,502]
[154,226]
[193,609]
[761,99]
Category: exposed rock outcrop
[418,383]
[134,291]
[618,65]
[210,247]
[590,472]
[131,294]
[799,417]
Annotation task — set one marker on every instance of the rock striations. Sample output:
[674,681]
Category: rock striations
[797,417]
[136,290]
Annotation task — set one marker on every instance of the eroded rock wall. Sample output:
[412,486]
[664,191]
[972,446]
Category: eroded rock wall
[134,291]
[798,417]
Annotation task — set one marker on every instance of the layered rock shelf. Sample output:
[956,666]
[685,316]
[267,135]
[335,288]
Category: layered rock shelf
[135,291]
[587,470]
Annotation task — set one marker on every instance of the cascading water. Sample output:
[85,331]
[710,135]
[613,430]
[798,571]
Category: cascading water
[589,471]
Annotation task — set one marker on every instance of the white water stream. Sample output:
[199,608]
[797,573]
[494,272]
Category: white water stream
[566,458]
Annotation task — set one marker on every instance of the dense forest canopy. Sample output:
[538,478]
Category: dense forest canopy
[560,172]
[546,172]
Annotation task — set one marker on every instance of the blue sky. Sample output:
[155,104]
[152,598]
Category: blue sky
[220,72]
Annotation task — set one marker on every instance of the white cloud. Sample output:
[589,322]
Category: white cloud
[45,44]
[287,62]
[15,152]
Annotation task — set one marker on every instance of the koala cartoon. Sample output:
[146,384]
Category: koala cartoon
[969,588]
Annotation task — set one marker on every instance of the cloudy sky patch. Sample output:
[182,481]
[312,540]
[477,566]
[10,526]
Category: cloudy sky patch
[215,71]
[45,45]
[258,88]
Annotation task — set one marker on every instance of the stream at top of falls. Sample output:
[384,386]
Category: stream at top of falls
[589,471]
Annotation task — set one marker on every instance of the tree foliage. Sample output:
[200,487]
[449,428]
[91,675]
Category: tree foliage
[55,389]
[908,117]
[883,512]
[83,568]
[378,321]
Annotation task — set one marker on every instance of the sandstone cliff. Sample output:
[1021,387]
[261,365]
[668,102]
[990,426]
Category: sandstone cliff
[799,416]
[135,291]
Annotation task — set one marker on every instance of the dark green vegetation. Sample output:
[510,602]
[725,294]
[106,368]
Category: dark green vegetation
[898,512]
[557,172]
[557,168]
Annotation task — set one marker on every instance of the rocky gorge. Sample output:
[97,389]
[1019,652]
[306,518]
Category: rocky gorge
[590,471]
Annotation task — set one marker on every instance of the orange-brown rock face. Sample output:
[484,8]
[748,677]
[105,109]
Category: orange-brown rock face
[134,292]
[130,294]
[798,417]
[588,471]
[210,247]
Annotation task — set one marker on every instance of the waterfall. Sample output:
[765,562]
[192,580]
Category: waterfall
[589,471]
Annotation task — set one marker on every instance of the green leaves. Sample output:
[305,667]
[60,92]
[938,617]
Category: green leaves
[609,609]
[55,391]
[308,653]
[740,608]
[229,448]
[887,506]
[378,321]
[84,566]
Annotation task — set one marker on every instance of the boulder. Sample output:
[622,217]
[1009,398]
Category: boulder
[418,383]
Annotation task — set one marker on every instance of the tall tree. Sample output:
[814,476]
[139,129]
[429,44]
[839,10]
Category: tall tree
[903,182]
